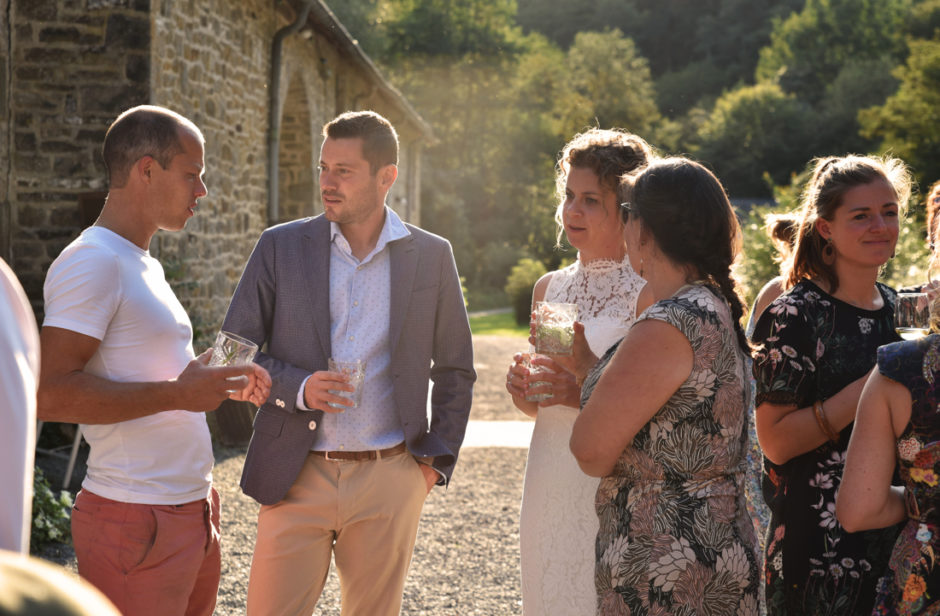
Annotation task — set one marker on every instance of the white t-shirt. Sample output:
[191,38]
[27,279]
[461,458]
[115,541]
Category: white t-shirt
[106,287]
[19,376]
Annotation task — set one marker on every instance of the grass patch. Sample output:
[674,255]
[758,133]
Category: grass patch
[501,324]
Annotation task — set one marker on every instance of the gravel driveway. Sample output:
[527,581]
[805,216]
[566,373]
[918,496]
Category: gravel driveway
[466,559]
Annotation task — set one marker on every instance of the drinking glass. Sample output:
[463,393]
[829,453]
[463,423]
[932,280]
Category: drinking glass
[355,371]
[554,327]
[912,315]
[536,369]
[232,350]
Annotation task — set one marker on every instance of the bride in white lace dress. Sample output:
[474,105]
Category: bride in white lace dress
[558,524]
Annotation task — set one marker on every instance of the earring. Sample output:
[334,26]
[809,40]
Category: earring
[641,267]
[829,252]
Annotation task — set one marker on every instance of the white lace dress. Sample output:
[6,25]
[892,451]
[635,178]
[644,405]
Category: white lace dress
[558,525]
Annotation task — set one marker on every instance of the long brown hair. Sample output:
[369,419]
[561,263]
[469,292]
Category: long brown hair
[685,208]
[832,177]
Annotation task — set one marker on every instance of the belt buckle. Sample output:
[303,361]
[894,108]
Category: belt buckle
[326,454]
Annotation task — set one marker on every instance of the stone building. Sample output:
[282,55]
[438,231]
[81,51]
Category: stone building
[260,77]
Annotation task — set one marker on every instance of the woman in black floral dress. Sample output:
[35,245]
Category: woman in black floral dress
[817,345]
[664,413]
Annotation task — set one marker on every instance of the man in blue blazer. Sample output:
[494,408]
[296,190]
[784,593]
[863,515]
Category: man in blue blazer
[355,283]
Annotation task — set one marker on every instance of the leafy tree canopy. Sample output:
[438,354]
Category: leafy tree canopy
[808,49]
[754,130]
[909,122]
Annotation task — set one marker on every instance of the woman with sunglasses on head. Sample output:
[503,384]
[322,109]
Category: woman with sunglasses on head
[818,343]
[663,419]
[557,521]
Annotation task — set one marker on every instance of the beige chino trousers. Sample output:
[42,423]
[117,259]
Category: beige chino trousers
[363,513]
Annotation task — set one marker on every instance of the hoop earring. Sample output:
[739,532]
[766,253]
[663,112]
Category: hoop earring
[829,252]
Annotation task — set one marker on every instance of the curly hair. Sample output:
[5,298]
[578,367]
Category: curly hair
[609,153]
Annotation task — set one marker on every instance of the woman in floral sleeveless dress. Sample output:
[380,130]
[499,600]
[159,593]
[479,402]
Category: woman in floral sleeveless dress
[818,344]
[897,427]
[557,521]
[664,413]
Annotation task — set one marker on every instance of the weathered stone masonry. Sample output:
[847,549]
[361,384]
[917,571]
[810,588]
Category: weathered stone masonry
[69,67]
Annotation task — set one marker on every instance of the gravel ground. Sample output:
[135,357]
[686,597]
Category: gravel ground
[466,559]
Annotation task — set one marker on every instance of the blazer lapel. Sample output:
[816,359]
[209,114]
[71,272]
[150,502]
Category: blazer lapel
[403,257]
[316,264]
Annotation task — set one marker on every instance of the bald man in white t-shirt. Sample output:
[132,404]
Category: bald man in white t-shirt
[117,357]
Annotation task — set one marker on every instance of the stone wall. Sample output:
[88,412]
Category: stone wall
[211,61]
[74,66]
[5,128]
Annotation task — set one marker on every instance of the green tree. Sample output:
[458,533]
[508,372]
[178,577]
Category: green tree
[924,19]
[760,262]
[450,28]
[364,19]
[609,84]
[908,124]
[695,49]
[754,137]
[809,49]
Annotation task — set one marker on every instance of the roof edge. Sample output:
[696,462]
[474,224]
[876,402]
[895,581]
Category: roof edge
[322,14]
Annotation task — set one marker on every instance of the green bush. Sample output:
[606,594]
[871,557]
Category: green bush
[519,285]
[51,514]
[758,264]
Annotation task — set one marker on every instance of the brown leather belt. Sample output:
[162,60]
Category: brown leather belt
[356,456]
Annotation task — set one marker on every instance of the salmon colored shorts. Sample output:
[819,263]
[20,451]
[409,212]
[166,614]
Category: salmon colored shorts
[150,559]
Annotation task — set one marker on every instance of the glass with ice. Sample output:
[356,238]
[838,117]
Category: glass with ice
[554,327]
[355,371]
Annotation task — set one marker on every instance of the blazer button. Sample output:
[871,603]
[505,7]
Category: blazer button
[279,403]
[312,425]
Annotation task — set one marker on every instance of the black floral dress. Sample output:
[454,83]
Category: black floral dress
[674,535]
[912,583]
[813,346]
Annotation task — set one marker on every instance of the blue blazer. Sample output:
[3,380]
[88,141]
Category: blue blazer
[282,303]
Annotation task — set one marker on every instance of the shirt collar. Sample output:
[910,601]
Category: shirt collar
[392,229]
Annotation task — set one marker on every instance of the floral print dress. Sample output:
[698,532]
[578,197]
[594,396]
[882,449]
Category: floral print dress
[813,346]
[911,585]
[674,536]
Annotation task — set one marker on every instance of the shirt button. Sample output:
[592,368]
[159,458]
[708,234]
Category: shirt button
[352,337]
[312,425]
[342,446]
[355,303]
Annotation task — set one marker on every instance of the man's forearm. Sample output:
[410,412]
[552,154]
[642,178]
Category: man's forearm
[80,397]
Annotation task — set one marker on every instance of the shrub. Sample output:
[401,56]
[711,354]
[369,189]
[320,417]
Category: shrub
[51,514]
[519,285]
